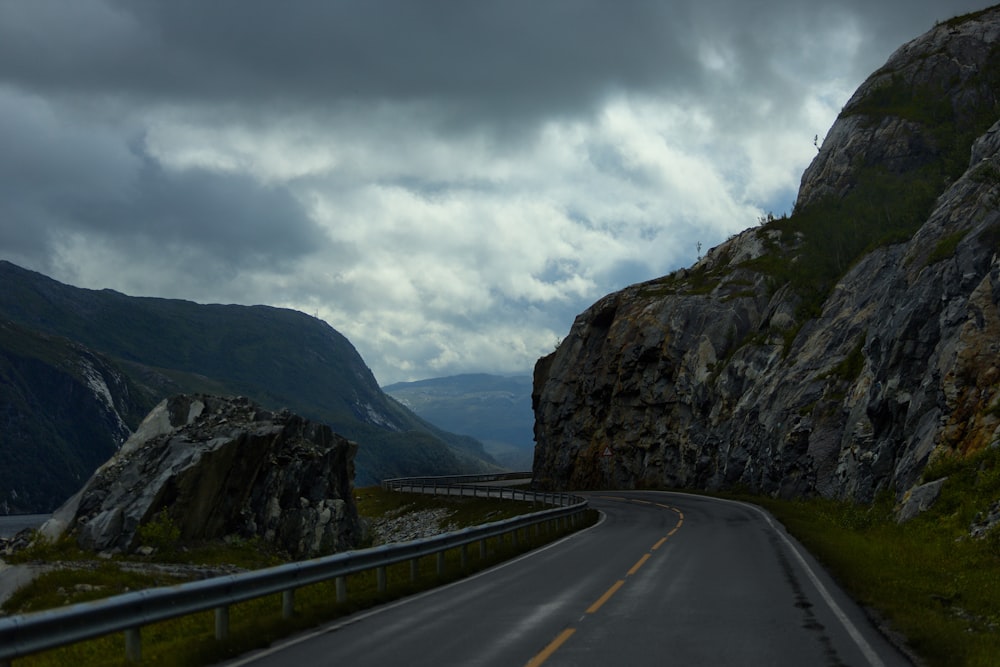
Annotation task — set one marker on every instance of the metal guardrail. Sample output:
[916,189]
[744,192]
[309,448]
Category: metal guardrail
[447,480]
[26,634]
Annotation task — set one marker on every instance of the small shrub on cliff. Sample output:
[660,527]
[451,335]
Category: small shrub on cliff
[161,533]
[851,366]
[946,247]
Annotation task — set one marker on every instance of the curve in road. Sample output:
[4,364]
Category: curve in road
[663,578]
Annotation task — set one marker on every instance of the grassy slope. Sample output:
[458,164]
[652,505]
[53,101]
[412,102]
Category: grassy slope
[932,582]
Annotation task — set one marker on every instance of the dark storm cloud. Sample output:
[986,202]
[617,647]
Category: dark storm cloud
[238,219]
[492,58]
[60,177]
[503,68]
[484,55]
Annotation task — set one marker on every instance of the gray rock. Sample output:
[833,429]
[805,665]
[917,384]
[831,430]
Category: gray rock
[984,522]
[218,467]
[919,499]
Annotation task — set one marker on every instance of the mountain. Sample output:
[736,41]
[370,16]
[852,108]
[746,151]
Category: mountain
[494,409]
[279,358]
[65,409]
[831,352]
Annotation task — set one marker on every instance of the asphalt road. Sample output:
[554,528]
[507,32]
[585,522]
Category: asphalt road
[663,579]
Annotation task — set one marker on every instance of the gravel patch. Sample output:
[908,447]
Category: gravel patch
[408,525]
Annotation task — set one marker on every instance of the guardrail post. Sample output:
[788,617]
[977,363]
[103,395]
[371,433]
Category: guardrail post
[465,555]
[380,578]
[133,645]
[513,538]
[414,569]
[341,589]
[222,622]
[482,553]
[288,603]
[440,563]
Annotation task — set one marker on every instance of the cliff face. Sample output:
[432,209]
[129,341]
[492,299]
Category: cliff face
[833,352]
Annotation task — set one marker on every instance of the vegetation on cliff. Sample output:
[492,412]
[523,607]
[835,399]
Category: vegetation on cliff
[884,204]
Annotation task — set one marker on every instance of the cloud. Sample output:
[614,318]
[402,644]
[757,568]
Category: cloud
[70,185]
[446,183]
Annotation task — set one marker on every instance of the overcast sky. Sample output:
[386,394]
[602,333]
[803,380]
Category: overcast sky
[447,183]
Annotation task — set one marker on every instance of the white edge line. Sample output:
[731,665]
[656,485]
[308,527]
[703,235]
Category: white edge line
[355,618]
[873,659]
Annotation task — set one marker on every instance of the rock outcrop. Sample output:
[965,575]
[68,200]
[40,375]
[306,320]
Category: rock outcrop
[218,467]
[755,369]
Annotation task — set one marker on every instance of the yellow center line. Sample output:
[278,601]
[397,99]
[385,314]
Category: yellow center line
[551,648]
[635,568]
[563,636]
[592,609]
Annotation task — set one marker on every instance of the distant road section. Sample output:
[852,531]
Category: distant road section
[663,579]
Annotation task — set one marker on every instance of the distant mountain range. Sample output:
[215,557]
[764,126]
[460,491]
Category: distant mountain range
[492,408]
[80,368]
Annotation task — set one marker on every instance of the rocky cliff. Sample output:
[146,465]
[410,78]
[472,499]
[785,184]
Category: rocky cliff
[834,351]
[214,467]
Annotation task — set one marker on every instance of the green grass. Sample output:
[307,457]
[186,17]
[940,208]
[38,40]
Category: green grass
[945,249]
[927,577]
[255,624]
[373,502]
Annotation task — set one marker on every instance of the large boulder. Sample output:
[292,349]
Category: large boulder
[216,467]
